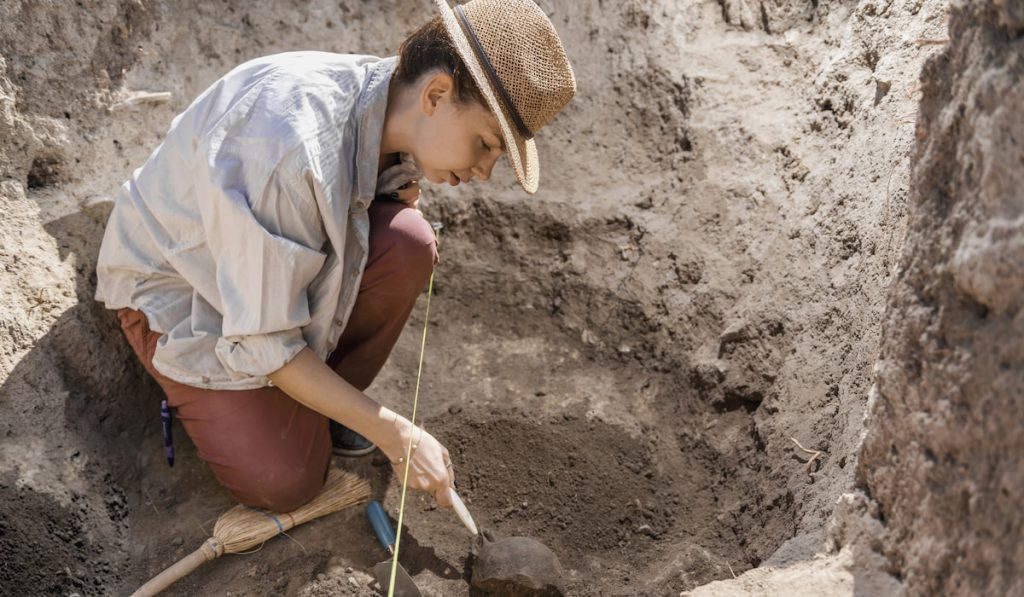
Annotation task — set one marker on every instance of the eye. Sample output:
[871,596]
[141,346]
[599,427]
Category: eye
[485,145]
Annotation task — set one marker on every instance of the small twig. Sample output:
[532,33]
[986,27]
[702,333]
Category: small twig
[814,454]
[202,526]
[253,550]
[40,299]
[930,42]
[151,502]
[285,533]
[730,569]
[296,541]
[134,98]
[885,216]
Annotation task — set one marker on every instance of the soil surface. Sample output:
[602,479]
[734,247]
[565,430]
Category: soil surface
[621,365]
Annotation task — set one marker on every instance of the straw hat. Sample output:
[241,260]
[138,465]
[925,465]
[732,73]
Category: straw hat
[514,55]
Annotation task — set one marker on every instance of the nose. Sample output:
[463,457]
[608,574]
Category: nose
[483,170]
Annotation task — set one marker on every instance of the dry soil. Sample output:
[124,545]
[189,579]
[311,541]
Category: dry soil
[622,365]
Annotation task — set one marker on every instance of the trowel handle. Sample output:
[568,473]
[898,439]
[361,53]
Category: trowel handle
[381,525]
[462,511]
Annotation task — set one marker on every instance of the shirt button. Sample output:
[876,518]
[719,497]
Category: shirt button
[206,379]
[339,322]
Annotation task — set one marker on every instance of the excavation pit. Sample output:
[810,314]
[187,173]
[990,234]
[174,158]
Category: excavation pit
[619,364]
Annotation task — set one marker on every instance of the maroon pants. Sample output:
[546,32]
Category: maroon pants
[267,449]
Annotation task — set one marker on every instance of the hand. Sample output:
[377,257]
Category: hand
[409,194]
[309,380]
[431,468]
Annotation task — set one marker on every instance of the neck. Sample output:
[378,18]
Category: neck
[398,120]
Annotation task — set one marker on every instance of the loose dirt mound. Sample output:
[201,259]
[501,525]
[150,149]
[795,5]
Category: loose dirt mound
[603,500]
[36,531]
[620,363]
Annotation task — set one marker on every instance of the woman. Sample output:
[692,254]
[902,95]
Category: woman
[265,258]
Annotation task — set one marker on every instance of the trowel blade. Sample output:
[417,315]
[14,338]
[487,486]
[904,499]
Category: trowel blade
[404,587]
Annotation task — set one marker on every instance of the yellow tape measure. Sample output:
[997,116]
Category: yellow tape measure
[436,226]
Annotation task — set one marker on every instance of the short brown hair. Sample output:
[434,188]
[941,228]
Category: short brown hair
[430,48]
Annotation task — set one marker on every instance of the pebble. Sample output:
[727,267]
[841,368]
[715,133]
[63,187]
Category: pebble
[647,530]
[454,409]
[177,542]
[352,581]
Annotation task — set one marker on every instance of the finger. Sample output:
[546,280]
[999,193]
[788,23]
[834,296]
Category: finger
[407,194]
[443,498]
[440,478]
[413,204]
[451,469]
[411,188]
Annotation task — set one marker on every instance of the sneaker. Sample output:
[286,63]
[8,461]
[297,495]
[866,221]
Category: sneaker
[345,442]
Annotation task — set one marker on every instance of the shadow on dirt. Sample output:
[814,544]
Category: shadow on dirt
[70,535]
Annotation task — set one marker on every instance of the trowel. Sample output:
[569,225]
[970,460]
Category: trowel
[513,566]
[404,586]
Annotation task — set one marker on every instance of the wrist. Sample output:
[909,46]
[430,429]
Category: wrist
[391,430]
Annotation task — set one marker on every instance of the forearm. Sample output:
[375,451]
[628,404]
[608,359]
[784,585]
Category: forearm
[311,382]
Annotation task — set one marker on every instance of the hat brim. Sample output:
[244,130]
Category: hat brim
[522,153]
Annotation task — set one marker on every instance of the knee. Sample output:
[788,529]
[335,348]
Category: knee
[413,246]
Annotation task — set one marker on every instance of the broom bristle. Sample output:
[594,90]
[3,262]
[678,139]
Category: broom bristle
[242,528]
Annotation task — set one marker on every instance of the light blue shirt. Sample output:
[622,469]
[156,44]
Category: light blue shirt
[244,236]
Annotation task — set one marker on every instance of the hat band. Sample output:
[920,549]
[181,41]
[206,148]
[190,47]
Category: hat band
[517,120]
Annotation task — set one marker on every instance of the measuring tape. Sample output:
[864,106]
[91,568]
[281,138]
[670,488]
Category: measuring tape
[436,226]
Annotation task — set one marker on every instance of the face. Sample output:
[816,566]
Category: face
[454,141]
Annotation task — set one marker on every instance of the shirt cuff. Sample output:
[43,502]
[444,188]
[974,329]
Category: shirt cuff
[258,355]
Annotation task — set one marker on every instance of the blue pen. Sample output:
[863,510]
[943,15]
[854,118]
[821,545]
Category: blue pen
[165,417]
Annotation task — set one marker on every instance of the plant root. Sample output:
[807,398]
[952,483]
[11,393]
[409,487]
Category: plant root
[815,454]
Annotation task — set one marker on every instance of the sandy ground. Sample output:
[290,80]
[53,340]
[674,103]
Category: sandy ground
[620,364]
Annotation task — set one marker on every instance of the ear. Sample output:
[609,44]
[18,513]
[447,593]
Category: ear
[438,87]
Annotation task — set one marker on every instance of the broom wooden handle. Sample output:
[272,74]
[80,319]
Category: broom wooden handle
[171,575]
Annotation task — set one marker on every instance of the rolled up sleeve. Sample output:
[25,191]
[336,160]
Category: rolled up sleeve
[266,238]
[258,355]
[263,284]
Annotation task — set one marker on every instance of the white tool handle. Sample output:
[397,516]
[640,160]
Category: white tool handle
[460,509]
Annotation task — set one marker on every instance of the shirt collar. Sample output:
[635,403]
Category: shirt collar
[370,111]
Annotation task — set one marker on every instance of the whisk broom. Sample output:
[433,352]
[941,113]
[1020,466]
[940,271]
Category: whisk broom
[242,528]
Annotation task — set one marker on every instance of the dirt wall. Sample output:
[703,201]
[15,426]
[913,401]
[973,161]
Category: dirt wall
[944,455]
